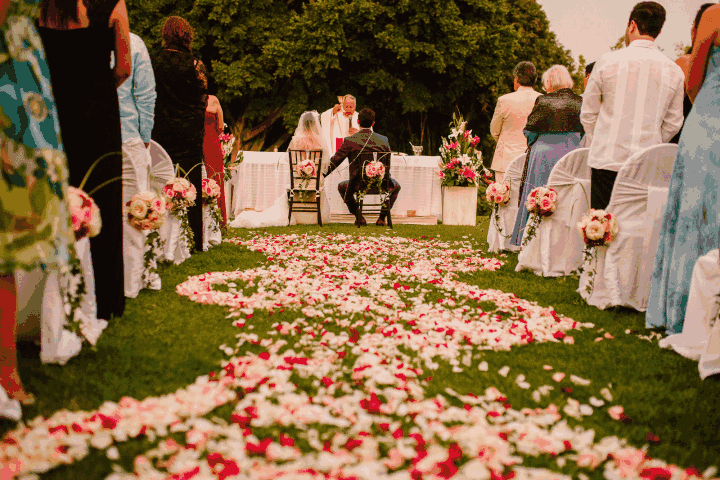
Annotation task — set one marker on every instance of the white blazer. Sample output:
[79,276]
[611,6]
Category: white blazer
[506,127]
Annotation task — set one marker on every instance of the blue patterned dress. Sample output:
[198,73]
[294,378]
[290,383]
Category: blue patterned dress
[35,228]
[692,214]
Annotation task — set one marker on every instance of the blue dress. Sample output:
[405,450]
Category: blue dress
[691,217]
[544,154]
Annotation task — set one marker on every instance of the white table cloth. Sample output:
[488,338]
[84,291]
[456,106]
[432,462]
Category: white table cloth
[700,338]
[264,176]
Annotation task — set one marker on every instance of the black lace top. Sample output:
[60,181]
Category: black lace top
[556,112]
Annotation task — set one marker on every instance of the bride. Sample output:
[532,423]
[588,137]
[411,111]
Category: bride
[308,136]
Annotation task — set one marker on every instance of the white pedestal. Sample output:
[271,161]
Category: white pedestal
[459,205]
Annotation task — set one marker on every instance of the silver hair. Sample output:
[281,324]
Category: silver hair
[349,97]
[557,77]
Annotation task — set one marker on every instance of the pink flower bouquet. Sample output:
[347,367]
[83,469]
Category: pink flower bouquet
[498,193]
[306,168]
[146,211]
[375,169]
[598,228]
[210,190]
[85,213]
[227,141]
[179,194]
[542,201]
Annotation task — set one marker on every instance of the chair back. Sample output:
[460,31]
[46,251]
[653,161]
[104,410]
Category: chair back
[298,180]
[570,178]
[513,177]
[161,167]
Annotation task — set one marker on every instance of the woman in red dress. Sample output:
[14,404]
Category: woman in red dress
[213,151]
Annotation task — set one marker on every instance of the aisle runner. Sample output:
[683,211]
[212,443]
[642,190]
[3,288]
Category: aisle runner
[340,391]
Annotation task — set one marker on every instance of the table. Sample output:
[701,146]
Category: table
[263,176]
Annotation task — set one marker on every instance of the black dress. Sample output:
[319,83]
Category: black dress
[181,85]
[89,115]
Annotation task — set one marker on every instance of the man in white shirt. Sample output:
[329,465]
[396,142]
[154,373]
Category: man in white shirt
[633,100]
[511,114]
[339,122]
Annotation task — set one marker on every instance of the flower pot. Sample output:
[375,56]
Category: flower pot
[459,205]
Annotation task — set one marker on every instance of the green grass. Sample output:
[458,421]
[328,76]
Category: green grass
[164,341]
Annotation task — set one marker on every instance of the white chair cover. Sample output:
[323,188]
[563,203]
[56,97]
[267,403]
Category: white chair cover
[498,241]
[556,250]
[624,268]
[175,249]
[700,338]
[211,230]
[58,345]
[135,172]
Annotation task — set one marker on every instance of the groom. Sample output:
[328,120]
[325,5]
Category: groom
[364,141]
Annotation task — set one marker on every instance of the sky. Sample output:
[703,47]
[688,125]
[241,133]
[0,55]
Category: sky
[590,27]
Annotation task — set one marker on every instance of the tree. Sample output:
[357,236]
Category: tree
[413,61]
[619,44]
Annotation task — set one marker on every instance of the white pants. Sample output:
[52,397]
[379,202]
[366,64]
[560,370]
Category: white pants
[135,172]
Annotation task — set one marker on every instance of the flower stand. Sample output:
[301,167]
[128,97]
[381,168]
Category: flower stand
[459,206]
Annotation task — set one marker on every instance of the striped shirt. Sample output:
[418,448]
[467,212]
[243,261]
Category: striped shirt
[633,100]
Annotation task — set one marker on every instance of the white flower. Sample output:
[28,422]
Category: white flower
[138,208]
[594,230]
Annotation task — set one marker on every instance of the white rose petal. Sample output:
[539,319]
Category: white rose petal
[504,371]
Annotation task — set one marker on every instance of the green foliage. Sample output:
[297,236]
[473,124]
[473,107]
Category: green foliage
[413,62]
[619,44]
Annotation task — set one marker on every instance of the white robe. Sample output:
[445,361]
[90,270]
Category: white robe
[336,126]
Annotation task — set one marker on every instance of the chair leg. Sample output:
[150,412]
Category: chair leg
[290,202]
[389,218]
[318,211]
[358,213]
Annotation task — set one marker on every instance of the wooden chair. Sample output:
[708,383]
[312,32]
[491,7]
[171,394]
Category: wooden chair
[380,189]
[301,186]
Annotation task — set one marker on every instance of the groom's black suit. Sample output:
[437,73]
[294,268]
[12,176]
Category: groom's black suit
[364,141]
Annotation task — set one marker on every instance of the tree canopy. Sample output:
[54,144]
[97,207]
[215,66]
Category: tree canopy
[412,61]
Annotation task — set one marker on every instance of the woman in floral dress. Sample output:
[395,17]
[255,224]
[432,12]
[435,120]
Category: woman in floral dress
[35,229]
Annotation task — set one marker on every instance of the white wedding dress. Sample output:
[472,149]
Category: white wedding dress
[307,134]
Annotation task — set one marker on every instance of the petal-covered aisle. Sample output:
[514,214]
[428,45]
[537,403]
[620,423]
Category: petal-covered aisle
[366,357]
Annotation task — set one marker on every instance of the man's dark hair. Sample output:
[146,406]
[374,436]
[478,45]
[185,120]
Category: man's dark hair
[588,68]
[525,73]
[649,18]
[366,118]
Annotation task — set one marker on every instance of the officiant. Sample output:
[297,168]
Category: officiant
[339,122]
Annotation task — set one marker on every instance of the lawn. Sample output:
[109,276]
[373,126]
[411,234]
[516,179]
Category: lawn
[165,341]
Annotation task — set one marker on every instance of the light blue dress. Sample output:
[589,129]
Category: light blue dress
[691,217]
[544,154]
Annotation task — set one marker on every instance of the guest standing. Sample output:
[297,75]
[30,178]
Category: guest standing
[633,100]
[691,217]
[79,41]
[214,126]
[32,233]
[511,113]
[684,63]
[182,98]
[552,130]
[137,115]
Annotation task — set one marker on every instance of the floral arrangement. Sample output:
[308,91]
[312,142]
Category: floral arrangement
[146,211]
[460,162]
[375,169]
[598,228]
[227,142]
[542,202]
[180,195]
[498,194]
[306,168]
[86,220]
[211,190]
[210,194]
